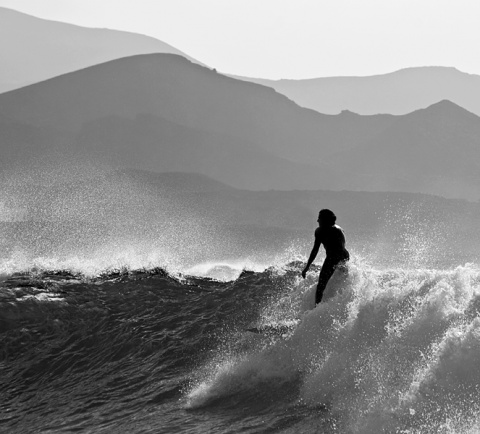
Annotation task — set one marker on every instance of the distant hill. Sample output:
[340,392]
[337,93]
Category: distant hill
[159,112]
[435,150]
[398,93]
[173,88]
[156,144]
[162,112]
[34,49]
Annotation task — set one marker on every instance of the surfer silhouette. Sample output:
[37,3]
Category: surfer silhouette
[333,239]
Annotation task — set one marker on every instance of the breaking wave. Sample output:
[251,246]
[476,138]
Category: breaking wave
[393,350]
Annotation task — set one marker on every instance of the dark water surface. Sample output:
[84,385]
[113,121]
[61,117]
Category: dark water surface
[116,352]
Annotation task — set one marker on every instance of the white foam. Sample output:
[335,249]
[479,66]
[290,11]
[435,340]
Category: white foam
[391,351]
[224,270]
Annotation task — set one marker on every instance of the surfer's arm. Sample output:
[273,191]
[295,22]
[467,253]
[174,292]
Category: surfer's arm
[313,253]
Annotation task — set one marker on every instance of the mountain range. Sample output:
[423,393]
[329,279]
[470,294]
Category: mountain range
[40,49]
[162,112]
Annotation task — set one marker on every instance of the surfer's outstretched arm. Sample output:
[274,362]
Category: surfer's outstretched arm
[313,254]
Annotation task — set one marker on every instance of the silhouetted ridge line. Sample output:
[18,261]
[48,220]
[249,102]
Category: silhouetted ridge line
[39,49]
[398,92]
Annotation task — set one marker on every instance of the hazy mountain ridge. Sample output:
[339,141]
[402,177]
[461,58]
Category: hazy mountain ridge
[121,120]
[167,146]
[162,112]
[398,92]
[433,150]
[40,49]
[173,88]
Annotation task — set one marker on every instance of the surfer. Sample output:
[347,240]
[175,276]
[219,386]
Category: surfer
[333,239]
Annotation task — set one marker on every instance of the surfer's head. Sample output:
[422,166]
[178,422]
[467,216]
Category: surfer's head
[326,218]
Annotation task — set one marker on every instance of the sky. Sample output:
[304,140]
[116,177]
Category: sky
[291,38]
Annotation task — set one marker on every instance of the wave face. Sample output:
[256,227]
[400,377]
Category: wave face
[390,350]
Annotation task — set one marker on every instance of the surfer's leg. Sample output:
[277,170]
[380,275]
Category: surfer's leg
[326,272]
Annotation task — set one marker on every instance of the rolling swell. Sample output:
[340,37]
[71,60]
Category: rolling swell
[97,354]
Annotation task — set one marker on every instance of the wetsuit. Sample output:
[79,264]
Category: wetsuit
[333,239]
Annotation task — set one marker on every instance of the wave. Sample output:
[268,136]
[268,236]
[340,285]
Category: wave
[129,257]
[394,350]
[390,350]
[114,267]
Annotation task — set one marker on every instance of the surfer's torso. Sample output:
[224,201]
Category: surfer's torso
[333,239]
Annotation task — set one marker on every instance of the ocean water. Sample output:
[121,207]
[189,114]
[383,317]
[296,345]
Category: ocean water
[124,308]
[390,350]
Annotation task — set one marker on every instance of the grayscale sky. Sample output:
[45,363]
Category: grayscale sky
[291,38]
